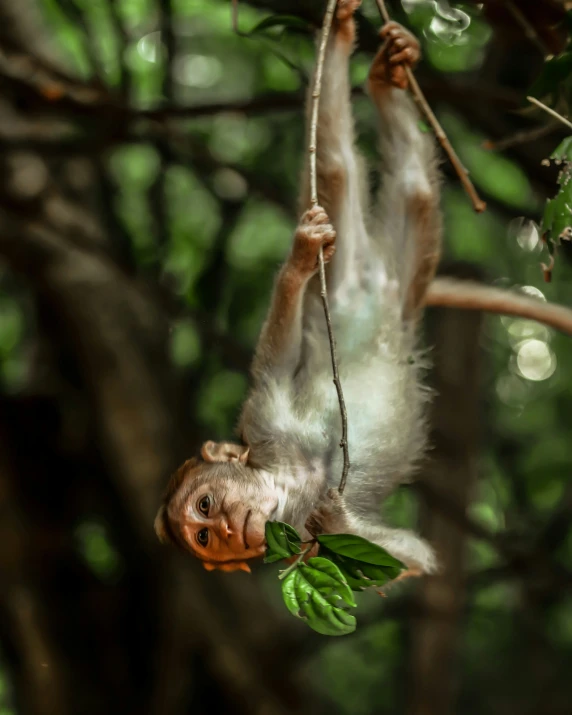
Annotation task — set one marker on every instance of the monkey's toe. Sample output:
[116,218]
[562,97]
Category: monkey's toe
[400,45]
[389,28]
[406,56]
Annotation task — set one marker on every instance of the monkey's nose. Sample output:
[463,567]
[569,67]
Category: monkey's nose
[225,529]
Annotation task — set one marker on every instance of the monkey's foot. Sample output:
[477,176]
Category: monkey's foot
[344,22]
[346,9]
[409,573]
[400,50]
[314,232]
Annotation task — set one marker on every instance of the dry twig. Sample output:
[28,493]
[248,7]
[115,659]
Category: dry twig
[552,113]
[478,204]
[312,149]
[526,136]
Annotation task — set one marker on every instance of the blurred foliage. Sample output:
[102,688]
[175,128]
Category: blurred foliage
[97,550]
[225,190]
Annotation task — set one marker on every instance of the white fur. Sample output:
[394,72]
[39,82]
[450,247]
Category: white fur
[291,420]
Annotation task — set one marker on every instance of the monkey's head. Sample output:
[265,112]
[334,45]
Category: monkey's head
[216,507]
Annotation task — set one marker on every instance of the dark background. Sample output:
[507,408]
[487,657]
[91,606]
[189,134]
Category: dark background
[148,175]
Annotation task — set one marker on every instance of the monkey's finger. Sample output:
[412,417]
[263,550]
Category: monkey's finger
[316,216]
[309,215]
[320,219]
[390,28]
[408,55]
[328,252]
[397,44]
[314,211]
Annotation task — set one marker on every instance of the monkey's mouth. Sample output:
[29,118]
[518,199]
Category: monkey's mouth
[246,546]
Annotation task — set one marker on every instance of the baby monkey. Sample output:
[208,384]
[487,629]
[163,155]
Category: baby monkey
[289,462]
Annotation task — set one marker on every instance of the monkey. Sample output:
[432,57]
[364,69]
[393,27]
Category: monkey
[380,260]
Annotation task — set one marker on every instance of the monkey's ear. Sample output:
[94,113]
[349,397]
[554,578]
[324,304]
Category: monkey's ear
[161,528]
[230,566]
[224,452]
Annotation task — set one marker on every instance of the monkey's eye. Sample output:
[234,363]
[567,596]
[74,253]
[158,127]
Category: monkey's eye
[204,504]
[203,537]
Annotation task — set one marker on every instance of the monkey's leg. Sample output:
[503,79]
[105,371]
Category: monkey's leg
[404,545]
[340,185]
[409,197]
[333,516]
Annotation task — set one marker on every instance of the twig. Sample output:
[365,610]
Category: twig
[478,204]
[469,295]
[526,136]
[550,111]
[312,150]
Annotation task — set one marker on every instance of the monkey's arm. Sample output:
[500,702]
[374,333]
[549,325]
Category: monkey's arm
[279,345]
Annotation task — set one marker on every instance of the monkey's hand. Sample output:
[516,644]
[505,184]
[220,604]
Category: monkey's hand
[314,232]
[331,516]
[400,50]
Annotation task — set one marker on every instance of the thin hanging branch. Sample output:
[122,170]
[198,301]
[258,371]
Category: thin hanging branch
[312,150]
[526,136]
[478,204]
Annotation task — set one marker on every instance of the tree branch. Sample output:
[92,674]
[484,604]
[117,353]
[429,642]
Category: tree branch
[469,295]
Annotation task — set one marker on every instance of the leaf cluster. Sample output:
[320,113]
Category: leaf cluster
[554,85]
[320,590]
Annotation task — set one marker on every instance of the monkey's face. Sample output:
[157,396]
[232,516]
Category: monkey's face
[218,511]
[221,521]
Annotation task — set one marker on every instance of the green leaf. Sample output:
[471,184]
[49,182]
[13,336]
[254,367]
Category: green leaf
[282,541]
[563,151]
[557,218]
[359,575]
[556,71]
[359,549]
[313,592]
[324,575]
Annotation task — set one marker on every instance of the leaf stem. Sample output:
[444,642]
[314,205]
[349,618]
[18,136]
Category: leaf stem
[282,575]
